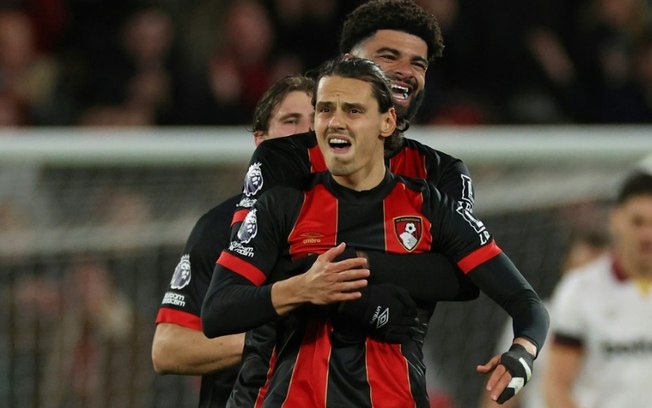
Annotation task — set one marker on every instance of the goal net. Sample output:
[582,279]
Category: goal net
[92,223]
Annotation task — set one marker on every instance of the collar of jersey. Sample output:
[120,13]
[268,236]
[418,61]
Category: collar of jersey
[375,194]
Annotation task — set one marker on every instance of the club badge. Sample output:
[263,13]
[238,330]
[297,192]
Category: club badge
[408,231]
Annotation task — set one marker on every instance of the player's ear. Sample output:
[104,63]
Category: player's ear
[389,123]
[259,137]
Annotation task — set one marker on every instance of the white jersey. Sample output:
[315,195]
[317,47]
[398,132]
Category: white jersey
[612,318]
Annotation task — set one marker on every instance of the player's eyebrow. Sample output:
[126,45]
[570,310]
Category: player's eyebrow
[324,104]
[353,105]
[345,105]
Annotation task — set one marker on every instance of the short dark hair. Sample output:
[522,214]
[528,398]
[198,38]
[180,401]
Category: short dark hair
[636,184]
[275,95]
[399,15]
[364,70]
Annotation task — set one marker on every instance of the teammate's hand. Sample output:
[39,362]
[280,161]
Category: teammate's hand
[385,311]
[511,371]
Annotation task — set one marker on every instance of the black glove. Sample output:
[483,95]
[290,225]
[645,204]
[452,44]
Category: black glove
[519,363]
[385,312]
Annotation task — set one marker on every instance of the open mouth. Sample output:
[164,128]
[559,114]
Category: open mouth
[401,92]
[339,145]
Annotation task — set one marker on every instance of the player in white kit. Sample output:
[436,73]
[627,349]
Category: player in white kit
[600,352]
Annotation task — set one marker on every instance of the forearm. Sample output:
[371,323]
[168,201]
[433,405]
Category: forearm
[289,294]
[505,285]
[180,350]
[563,368]
[433,277]
[234,305]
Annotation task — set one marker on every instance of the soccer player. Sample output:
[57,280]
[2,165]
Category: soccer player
[179,346]
[403,39]
[600,353]
[323,361]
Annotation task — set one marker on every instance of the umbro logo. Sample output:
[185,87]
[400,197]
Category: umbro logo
[380,317]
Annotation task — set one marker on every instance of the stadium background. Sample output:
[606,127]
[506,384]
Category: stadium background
[112,145]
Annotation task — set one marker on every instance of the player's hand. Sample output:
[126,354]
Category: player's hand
[385,311]
[511,371]
[329,280]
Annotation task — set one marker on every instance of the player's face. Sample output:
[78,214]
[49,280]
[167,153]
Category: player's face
[351,130]
[404,58]
[293,115]
[632,229]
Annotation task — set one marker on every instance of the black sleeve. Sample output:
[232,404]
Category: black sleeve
[231,311]
[455,181]
[282,161]
[433,277]
[504,284]
[207,239]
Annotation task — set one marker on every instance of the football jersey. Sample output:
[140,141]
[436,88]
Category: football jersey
[282,161]
[610,316]
[288,161]
[321,364]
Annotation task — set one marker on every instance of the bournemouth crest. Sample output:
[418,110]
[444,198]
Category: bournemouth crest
[408,231]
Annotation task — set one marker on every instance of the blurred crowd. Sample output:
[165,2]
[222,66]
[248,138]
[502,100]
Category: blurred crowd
[206,62]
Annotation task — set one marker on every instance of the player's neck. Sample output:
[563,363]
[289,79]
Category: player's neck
[363,179]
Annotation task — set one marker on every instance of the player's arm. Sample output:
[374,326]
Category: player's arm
[504,284]
[499,279]
[179,346]
[456,182]
[231,294]
[466,239]
[180,350]
[433,276]
[566,349]
[274,162]
[564,363]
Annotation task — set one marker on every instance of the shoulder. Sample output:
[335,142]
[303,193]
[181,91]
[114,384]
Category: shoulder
[414,183]
[585,281]
[214,225]
[223,209]
[300,141]
[280,195]
[415,145]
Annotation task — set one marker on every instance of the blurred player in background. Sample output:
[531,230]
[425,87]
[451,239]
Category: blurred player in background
[600,352]
[179,346]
